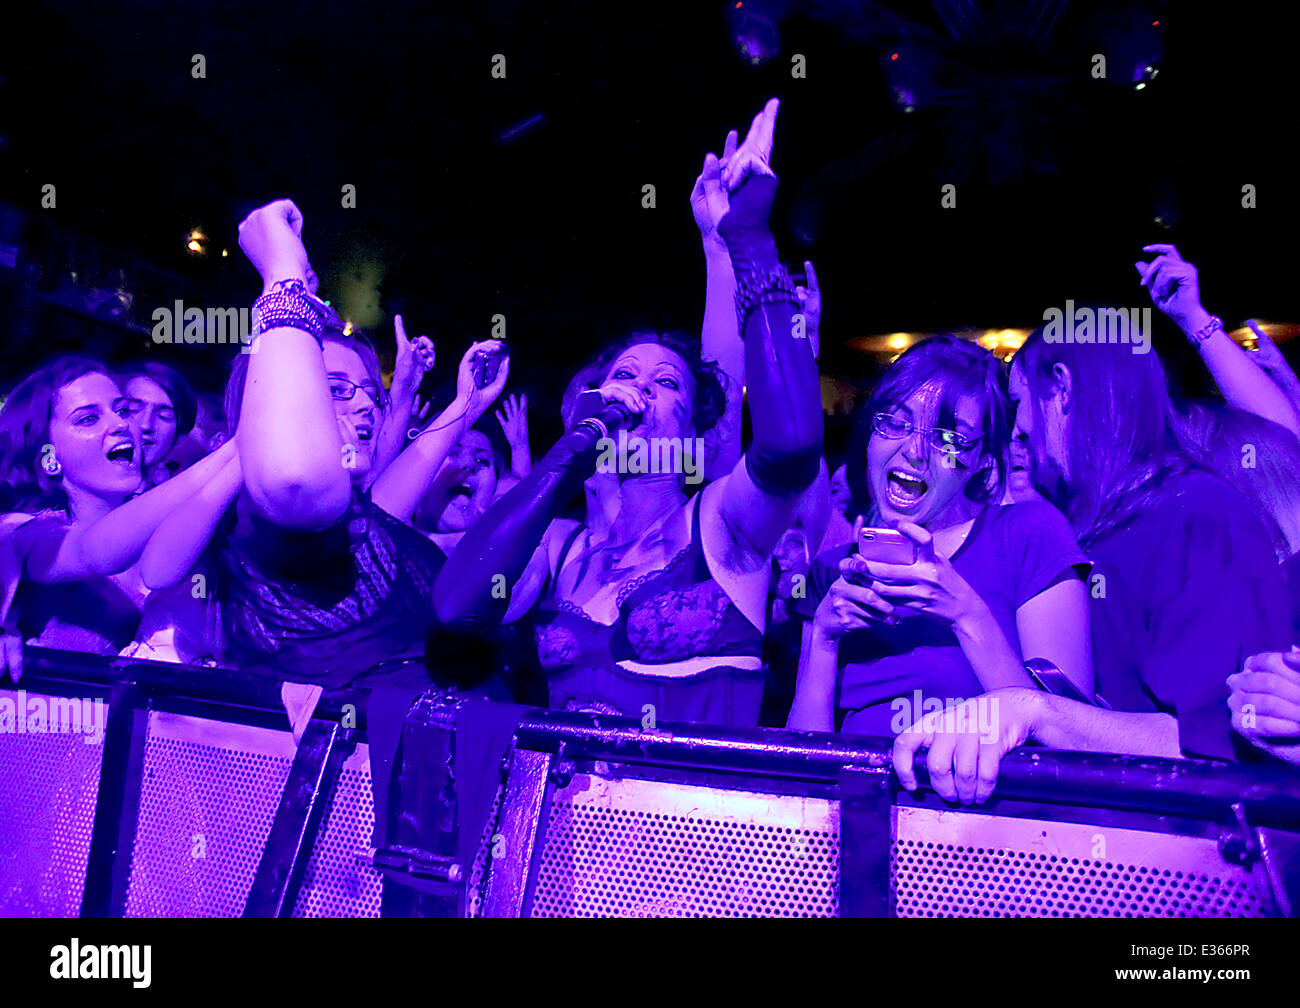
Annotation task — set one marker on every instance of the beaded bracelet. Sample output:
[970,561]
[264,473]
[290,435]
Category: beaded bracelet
[289,305]
[771,287]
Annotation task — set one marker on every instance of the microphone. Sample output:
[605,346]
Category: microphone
[602,419]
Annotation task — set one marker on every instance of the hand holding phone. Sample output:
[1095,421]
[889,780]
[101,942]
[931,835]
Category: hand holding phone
[486,365]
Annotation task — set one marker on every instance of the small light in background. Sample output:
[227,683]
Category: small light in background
[347,328]
[196,242]
[754,30]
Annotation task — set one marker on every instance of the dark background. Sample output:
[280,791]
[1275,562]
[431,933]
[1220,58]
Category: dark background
[1060,178]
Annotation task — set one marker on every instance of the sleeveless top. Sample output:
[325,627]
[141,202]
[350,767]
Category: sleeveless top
[664,617]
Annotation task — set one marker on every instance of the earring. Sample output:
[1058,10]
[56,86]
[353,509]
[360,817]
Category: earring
[50,465]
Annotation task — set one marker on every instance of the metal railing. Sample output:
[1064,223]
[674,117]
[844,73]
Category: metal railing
[548,744]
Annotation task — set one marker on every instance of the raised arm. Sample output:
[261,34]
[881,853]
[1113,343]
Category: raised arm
[505,549]
[759,498]
[174,549]
[720,335]
[415,358]
[1175,290]
[402,486]
[116,541]
[513,418]
[292,454]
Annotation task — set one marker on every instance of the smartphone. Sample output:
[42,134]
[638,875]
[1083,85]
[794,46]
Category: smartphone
[885,545]
[486,365]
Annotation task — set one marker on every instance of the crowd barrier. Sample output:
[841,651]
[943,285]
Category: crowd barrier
[193,800]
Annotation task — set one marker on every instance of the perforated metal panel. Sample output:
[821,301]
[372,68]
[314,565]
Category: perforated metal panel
[208,797]
[336,883]
[627,847]
[474,884]
[48,787]
[635,848]
[965,864]
[208,800]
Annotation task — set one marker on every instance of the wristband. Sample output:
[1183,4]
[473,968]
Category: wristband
[288,304]
[773,286]
[1206,331]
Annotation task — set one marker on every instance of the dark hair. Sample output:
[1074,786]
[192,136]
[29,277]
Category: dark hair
[710,390]
[963,369]
[497,444]
[177,388]
[1123,450]
[355,341]
[1217,436]
[25,431]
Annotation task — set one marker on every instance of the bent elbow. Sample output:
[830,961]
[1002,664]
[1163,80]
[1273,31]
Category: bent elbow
[302,502]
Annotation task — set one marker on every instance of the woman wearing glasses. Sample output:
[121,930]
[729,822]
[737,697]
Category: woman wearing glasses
[318,576]
[992,586]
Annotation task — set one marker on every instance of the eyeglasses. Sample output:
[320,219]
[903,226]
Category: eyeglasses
[345,391]
[895,428]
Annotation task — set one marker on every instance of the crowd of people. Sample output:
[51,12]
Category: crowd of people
[1056,553]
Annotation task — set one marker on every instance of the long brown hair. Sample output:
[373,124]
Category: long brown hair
[1122,443]
[25,431]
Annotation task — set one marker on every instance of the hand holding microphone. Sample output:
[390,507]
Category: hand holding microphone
[614,406]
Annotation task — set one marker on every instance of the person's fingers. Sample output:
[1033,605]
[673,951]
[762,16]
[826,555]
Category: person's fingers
[990,762]
[810,275]
[1285,666]
[1169,250]
[523,403]
[939,762]
[906,746]
[1264,726]
[1264,705]
[291,214]
[712,179]
[865,597]
[965,766]
[1151,269]
[13,656]
[1283,686]
[729,145]
[899,573]
[1263,339]
[912,595]
[767,128]
[399,331]
[921,536]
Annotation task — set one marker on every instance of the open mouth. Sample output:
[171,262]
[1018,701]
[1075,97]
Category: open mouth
[462,492]
[123,454]
[365,433]
[904,490]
